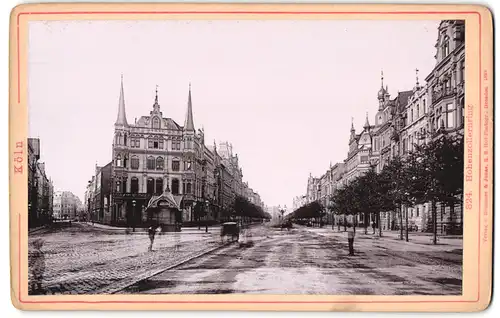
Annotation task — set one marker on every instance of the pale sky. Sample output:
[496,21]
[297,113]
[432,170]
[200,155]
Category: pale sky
[282,92]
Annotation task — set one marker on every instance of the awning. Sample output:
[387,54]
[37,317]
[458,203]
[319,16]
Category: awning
[166,199]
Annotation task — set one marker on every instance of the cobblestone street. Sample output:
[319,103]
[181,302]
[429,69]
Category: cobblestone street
[81,259]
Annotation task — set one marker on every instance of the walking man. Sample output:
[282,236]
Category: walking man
[350,238]
[152,233]
[373,226]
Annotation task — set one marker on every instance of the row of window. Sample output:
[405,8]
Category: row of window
[152,143]
[152,163]
[153,186]
[414,115]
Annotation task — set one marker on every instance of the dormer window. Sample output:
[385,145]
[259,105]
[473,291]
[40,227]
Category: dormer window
[156,123]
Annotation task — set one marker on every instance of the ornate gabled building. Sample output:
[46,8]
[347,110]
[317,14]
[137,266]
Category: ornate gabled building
[152,155]
[159,164]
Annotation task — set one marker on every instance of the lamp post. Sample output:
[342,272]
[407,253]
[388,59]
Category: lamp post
[207,203]
[133,215]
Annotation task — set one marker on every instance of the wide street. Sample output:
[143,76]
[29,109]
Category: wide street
[83,259]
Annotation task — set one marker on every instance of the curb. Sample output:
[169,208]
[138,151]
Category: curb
[139,278]
[142,231]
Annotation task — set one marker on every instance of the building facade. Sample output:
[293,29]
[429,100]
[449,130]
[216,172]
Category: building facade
[40,188]
[66,206]
[412,117]
[156,154]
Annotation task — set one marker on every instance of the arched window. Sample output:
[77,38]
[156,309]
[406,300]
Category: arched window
[134,185]
[150,186]
[125,161]
[159,186]
[125,139]
[175,165]
[134,162]
[151,163]
[175,186]
[187,188]
[156,123]
[446,46]
[118,186]
[118,160]
[461,111]
[124,185]
[159,163]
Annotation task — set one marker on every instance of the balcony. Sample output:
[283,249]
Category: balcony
[439,95]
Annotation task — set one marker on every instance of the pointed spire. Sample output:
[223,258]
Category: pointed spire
[189,124]
[352,125]
[156,106]
[367,123]
[382,78]
[416,73]
[122,118]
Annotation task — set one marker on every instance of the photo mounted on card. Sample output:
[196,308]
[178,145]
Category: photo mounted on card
[251,157]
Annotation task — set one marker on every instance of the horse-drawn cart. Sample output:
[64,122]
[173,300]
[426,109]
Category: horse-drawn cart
[230,230]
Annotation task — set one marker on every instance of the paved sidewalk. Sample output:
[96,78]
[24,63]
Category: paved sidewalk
[392,241]
[141,230]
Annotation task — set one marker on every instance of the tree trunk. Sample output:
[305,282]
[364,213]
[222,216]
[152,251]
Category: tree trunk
[345,223]
[338,224]
[452,225]
[443,208]
[434,222]
[406,217]
[401,220]
[379,225]
[365,217]
[461,214]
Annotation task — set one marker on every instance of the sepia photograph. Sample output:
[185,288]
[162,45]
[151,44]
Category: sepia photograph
[170,158]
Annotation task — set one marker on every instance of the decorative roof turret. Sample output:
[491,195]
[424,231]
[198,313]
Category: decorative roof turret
[189,123]
[382,92]
[367,123]
[121,119]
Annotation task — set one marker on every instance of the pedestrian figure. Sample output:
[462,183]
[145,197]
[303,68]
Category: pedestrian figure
[373,226]
[350,238]
[36,266]
[152,232]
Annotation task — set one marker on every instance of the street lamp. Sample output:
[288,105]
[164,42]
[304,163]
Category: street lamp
[207,205]
[133,215]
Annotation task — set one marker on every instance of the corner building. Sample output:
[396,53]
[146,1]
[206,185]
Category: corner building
[152,155]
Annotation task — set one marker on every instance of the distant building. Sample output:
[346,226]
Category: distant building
[66,205]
